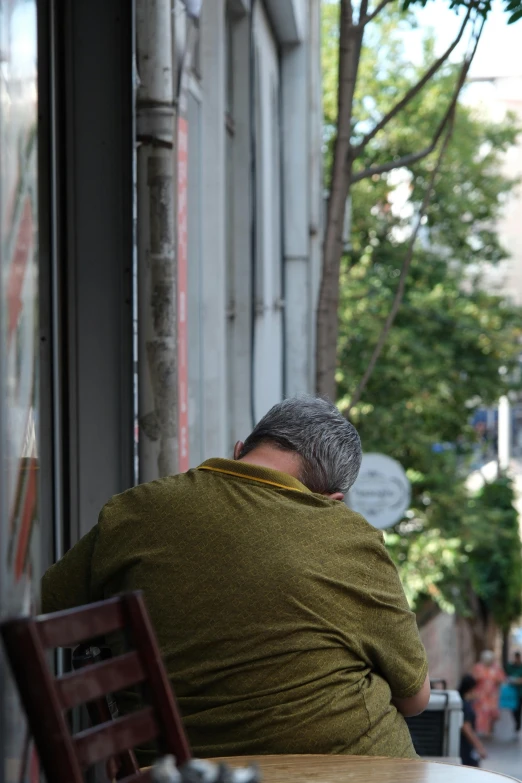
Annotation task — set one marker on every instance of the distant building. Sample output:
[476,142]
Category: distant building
[496,97]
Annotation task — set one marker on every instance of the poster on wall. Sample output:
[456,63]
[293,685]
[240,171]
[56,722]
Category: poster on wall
[19,539]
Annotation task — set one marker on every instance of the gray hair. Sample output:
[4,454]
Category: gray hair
[329,446]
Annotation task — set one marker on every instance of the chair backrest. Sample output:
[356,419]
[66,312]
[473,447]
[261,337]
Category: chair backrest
[45,698]
[103,710]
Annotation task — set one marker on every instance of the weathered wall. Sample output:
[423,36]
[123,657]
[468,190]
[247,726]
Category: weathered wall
[449,646]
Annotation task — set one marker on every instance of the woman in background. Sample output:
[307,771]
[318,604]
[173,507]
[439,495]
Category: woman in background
[489,677]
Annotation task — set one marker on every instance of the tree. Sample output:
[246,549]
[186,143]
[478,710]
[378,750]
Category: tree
[357,151]
[454,346]
[472,566]
[492,569]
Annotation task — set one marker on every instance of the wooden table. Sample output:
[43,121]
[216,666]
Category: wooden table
[360,769]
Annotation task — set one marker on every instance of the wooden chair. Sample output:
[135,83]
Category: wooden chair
[65,756]
[101,711]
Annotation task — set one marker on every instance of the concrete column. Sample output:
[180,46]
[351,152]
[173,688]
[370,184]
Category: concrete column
[156,241]
[212,48]
[296,188]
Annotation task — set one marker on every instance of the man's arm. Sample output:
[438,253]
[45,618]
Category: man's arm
[414,705]
[389,633]
[84,573]
[68,583]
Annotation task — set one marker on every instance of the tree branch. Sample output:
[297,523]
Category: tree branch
[449,121]
[363,10]
[404,273]
[397,163]
[350,42]
[413,91]
[414,157]
[376,11]
[411,246]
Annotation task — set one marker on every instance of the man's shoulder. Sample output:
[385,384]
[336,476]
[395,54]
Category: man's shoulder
[357,524]
[357,533]
[150,493]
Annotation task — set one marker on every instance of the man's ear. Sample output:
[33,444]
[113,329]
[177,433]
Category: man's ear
[238,448]
[336,496]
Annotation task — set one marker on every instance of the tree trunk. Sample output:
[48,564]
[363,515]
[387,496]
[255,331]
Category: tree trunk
[327,310]
[483,628]
[505,648]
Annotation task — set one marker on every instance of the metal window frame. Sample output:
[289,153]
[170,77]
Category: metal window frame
[86,256]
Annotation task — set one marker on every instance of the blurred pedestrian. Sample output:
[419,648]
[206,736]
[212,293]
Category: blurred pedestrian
[489,677]
[514,672]
[471,748]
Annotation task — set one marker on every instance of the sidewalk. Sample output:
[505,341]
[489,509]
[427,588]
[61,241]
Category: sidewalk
[505,757]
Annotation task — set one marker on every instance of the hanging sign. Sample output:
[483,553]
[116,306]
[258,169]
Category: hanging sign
[382,492]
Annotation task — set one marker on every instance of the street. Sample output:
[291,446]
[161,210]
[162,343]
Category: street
[505,757]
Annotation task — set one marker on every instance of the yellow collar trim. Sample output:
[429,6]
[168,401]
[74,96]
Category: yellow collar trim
[250,478]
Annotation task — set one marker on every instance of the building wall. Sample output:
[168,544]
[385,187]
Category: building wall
[495,99]
[449,646]
[254,217]
[510,228]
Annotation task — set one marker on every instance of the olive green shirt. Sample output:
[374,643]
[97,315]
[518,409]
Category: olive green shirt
[280,616]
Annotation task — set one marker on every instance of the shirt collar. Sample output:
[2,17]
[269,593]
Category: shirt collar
[246,470]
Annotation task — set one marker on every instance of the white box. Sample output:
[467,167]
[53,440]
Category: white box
[436,732]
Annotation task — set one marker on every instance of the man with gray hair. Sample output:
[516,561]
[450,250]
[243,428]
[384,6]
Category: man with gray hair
[280,616]
[325,448]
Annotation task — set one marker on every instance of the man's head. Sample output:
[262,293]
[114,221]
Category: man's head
[327,447]
[487,657]
[518,658]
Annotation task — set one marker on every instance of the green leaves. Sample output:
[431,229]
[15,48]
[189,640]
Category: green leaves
[516,16]
[512,7]
[494,569]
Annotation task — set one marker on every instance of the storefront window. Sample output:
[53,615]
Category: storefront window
[19,540]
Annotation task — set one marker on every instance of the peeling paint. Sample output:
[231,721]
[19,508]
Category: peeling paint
[156,188]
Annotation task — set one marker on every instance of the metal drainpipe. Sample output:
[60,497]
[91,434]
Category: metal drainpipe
[253,216]
[156,188]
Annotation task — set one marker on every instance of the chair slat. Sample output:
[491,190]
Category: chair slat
[99,679]
[172,738]
[139,777]
[110,739]
[68,628]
